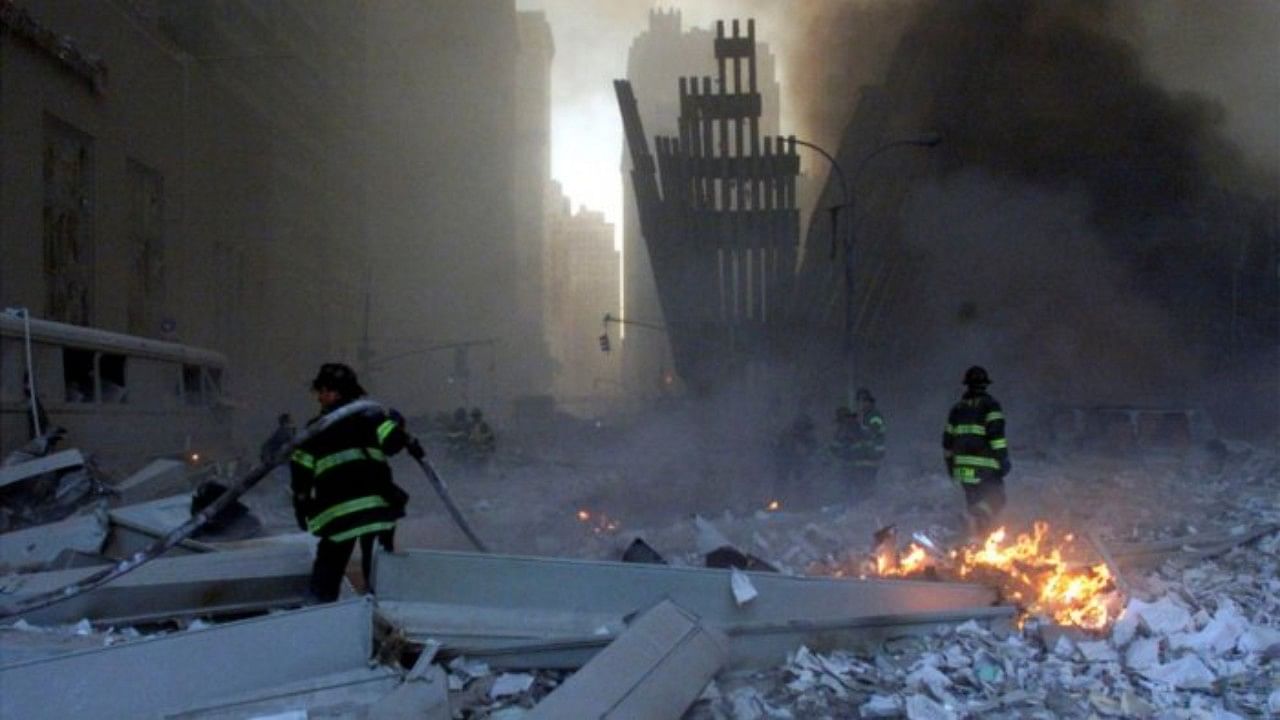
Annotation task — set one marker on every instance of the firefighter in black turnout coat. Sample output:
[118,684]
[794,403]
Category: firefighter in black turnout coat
[341,482]
[977,452]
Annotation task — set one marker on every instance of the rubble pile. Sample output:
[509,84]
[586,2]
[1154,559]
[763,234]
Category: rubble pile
[1205,645]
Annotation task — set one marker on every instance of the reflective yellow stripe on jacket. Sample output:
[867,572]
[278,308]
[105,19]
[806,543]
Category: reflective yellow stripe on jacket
[368,502]
[329,462]
[386,428]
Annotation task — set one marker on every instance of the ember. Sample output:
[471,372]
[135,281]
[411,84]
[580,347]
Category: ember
[599,522]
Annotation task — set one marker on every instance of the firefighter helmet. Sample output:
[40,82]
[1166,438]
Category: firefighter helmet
[339,378]
[864,394]
[977,376]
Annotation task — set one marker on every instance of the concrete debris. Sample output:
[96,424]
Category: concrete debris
[159,478]
[743,591]
[508,684]
[640,551]
[424,695]
[1202,644]
[653,670]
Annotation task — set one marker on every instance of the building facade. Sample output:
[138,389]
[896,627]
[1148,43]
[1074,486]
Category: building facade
[582,287]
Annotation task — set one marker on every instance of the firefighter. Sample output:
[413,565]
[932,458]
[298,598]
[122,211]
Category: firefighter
[976,451]
[341,482]
[481,441]
[868,446]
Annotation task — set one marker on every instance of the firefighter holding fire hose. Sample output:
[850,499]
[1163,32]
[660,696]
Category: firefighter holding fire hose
[341,482]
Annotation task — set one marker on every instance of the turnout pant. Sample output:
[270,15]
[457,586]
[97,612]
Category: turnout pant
[331,563]
[984,501]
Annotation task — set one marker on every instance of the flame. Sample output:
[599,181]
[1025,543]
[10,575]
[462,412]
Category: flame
[1030,569]
[584,515]
[773,506]
[1036,574]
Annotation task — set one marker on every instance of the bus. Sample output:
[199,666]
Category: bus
[121,398]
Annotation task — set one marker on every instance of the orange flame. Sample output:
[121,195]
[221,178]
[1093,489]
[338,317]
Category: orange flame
[1029,570]
[773,506]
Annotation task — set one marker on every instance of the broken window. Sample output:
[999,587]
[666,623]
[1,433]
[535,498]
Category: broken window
[213,384]
[192,388]
[78,375]
[68,222]
[146,248]
[111,373]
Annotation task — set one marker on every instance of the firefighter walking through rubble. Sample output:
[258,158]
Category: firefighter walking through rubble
[977,452]
[341,482]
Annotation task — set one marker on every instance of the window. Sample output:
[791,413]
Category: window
[111,373]
[68,221]
[192,389]
[78,375]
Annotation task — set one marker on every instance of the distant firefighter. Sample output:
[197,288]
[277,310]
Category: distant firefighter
[977,452]
[867,450]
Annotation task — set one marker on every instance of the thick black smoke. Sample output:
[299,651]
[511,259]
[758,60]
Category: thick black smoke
[1094,234]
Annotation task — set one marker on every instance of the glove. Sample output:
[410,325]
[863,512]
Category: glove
[414,448]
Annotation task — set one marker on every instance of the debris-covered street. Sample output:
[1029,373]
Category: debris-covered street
[640,359]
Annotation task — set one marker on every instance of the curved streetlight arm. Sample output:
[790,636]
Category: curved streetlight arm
[844,185]
[435,348]
[609,318]
[926,140]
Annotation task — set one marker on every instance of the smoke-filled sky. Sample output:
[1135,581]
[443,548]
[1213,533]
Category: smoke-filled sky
[1228,52]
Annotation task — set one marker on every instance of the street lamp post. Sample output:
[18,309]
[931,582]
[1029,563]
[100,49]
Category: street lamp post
[846,241]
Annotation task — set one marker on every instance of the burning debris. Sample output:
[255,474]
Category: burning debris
[1042,574]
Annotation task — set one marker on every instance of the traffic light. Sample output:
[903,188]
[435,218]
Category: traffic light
[604,342]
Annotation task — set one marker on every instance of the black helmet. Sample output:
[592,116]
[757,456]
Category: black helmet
[339,378]
[864,394]
[475,413]
[977,376]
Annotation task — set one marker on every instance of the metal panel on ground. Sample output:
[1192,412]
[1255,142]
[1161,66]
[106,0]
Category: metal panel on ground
[136,527]
[174,672]
[182,587]
[654,670]
[761,645]
[492,600]
[60,460]
[44,543]
[344,694]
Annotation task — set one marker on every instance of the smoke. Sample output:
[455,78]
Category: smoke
[1102,172]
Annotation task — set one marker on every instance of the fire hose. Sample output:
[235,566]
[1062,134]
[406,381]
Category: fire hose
[199,519]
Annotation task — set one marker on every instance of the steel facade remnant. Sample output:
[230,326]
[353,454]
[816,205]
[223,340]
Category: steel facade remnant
[722,223]
[172,673]
[182,587]
[496,600]
[654,670]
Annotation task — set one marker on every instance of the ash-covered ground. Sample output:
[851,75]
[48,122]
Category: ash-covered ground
[1199,636]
